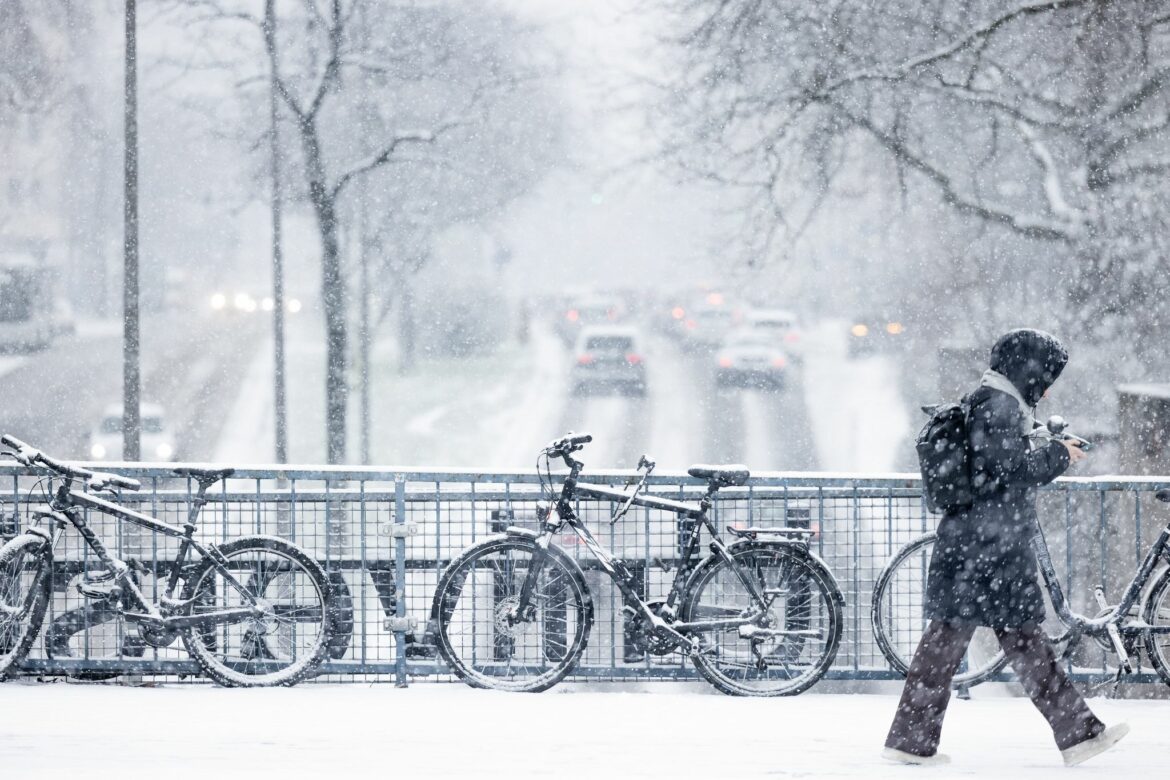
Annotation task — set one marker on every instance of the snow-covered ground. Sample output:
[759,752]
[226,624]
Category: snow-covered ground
[661,730]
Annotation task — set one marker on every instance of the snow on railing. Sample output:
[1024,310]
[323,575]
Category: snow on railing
[361,522]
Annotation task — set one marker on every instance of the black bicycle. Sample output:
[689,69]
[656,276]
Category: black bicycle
[759,617]
[254,611]
[899,598]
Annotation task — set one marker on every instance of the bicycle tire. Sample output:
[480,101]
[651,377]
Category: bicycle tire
[898,622]
[24,597]
[812,601]
[257,663]
[1156,614]
[492,657]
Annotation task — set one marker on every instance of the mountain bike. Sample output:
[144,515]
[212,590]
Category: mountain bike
[761,616]
[900,590]
[254,611]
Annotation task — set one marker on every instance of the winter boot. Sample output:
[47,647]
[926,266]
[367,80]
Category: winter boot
[902,757]
[1083,751]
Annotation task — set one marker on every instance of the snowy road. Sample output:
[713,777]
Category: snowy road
[495,410]
[662,730]
[191,366]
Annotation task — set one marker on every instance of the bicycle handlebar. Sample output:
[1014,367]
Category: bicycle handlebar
[97,480]
[567,444]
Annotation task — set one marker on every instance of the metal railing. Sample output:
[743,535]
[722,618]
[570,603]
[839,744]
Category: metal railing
[384,536]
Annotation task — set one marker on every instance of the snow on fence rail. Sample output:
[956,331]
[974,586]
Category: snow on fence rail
[384,536]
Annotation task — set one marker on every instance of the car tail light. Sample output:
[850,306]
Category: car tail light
[725,362]
[690,324]
[633,359]
[792,338]
[572,315]
[584,360]
[778,362]
[678,312]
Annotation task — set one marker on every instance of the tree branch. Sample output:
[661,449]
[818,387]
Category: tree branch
[384,155]
[1033,227]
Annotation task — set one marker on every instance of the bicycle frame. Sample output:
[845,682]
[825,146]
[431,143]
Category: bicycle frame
[563,514]
[67,506]
[1160,550]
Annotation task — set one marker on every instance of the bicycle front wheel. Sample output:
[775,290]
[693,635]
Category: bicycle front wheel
[24,597]
[482,637]
[286,638]
[786,650]
[899,620]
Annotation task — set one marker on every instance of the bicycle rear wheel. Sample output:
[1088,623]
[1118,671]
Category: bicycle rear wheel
[24,597]
[286,640]
[805,604]
[899,600]
[474,606]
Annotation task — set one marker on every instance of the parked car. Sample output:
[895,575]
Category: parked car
[156,440]
[583,313]
[780,326]
[874,333]
[749,358]
[608,358]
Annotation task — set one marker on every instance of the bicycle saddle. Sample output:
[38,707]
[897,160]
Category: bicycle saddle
[724,476]
[204,475]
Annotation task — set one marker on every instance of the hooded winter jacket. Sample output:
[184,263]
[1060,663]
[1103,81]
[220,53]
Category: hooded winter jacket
[983,571]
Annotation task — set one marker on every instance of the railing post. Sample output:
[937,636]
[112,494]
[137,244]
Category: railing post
[400,580]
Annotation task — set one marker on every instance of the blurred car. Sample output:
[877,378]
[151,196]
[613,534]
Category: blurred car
[608,358]
[706,326]
[778,325]
[156,440]
[245,303]
[749,358]
[582,313]
[875,333]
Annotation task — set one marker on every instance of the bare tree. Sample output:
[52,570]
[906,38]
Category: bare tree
[403,99]
[1047,121]
[27,61]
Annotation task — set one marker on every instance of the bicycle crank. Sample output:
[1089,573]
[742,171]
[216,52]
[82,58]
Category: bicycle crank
[157,636]
[1123,662]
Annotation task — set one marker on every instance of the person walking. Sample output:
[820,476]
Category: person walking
[983,571]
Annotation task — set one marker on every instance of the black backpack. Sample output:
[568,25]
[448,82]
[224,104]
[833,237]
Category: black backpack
[943,458]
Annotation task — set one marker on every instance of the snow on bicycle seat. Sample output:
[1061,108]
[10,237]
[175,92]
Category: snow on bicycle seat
[731,475]
[198,473]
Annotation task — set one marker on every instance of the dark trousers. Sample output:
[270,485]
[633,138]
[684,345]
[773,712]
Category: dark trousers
[917,724]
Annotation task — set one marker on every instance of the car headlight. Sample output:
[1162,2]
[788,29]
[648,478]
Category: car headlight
[97,451]
[218,301]
[164,451]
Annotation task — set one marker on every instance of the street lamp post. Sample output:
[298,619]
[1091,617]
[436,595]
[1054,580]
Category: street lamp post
[131,376]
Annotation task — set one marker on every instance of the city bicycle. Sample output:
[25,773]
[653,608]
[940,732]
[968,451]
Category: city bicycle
[254,611]
[761,616]
[1141,619]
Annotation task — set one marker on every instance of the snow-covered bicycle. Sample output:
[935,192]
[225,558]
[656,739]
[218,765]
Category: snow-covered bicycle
[759,617]
[254,611]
